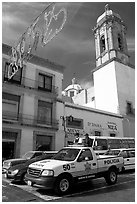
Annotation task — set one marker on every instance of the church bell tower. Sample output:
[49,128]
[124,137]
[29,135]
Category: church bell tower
[114,76]
[110,38]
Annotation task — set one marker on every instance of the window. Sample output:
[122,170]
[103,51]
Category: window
[129,108]
[71,93]
[97,133]
[131,153]
[102,44]
[44,112]
[43,142]
[112,135]
[16,78]
[114,143]
[10,106]
[100,144]
[45,82]
[120,46]
[131,143]
[124,154]
[85,153]
[75,123]
[125,143]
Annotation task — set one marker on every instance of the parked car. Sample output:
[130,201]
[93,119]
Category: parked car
[17,172]
[11,162]
[127,154]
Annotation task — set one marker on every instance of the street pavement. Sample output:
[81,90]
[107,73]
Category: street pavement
[94,191]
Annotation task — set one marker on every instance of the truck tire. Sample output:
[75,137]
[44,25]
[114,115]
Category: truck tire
[111,176]
[62,185]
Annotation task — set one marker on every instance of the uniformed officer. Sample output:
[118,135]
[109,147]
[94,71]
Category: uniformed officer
[88,141]
[76,138]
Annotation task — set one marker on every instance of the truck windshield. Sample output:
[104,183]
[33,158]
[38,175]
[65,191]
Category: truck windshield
[66,154]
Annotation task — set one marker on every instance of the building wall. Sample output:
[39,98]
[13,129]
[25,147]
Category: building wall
[20,126]
[80,98]
[114,85]
[93,120]
[86,98]
[125,77]
[105,87]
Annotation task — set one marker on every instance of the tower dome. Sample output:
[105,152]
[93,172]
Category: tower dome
[72,89]
[108,13]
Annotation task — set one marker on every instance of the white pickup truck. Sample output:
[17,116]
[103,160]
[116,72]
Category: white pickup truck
[72,165]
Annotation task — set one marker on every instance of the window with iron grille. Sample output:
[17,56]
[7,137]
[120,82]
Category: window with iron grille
[45,82]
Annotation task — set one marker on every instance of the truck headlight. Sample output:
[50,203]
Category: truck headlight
[15,172]
[47,172]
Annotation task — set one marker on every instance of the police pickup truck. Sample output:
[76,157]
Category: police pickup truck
[73,165]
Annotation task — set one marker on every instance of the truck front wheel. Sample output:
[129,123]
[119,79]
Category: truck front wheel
[111,176]
[62,185]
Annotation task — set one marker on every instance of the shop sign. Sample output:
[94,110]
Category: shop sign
[112,126]
[97,125]
[73,131]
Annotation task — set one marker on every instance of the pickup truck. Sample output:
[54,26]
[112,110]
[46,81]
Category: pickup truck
[73,165]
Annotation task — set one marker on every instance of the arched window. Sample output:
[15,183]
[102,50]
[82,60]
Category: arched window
[102,44]
[120,43]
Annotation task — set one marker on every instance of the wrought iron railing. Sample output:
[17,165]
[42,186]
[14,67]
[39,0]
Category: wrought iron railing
[31,84]
[24,119]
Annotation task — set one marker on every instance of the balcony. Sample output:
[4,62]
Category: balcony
[28,120]
[31,84]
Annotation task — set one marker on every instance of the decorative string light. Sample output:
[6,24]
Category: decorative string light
[22,52]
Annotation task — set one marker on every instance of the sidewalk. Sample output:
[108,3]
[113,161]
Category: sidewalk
[15,194]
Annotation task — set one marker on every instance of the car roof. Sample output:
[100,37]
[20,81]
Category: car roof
[75,146]
[123,149]
[50,152]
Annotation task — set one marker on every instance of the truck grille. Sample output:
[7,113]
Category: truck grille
[34,172]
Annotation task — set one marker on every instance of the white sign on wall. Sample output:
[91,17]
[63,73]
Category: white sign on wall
[112,126]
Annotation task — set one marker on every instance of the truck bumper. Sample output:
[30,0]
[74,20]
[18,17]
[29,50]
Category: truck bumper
[46,182]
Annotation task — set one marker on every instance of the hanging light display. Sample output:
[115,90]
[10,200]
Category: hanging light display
[34,35]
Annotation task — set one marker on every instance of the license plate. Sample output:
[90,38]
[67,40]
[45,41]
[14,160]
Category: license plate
[29,183]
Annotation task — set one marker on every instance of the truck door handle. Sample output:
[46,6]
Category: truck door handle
[94,164]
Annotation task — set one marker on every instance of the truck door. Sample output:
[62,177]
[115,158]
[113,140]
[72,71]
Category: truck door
[86,165]
[129,160]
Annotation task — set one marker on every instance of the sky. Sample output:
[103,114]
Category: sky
[74,46]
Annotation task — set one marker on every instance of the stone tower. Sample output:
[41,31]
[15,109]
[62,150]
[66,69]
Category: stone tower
[114,76]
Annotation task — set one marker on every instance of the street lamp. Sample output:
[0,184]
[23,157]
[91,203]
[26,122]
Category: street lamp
[64,119]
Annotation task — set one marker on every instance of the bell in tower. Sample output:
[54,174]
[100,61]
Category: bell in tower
[110,38]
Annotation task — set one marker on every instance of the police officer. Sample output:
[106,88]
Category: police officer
[88,141]
[76,138]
